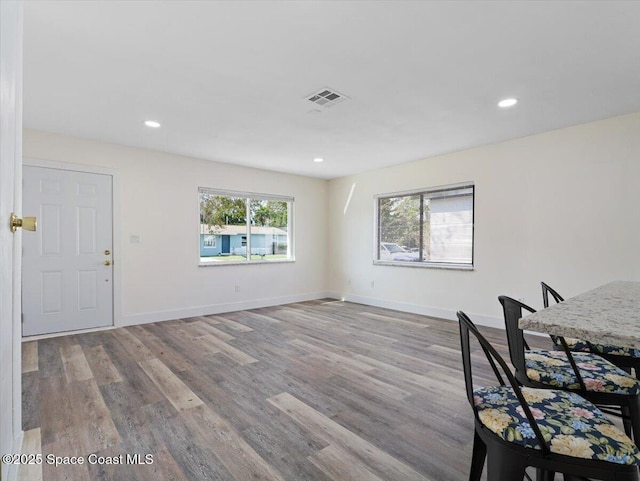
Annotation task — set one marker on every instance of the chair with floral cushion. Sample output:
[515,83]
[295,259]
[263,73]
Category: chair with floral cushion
[585,373]
[553,431]
[624,357]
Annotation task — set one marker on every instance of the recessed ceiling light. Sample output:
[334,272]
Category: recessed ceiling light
[507,103]
[152,123]
[318,160]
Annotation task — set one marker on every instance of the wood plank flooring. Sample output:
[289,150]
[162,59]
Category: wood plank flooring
[314,391]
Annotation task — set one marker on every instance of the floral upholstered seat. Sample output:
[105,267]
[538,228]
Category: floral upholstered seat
[579,345]
[616,350]
[569,423]
[553,369]
[573,344]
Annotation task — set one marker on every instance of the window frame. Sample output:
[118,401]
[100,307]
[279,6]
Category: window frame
[248,197]
[214,243]
[432,192]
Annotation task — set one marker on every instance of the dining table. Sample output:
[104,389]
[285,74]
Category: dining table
[608,315]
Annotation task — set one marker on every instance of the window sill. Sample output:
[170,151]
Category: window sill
[244,263]
[426,265]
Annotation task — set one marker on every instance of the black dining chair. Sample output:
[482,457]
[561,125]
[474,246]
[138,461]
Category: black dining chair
[553,431]
[585,373]
[623,357]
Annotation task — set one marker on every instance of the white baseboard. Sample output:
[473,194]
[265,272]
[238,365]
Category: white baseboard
[448,314]
[149,317]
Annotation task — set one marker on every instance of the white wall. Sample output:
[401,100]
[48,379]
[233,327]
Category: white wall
[563,207]
[160,278]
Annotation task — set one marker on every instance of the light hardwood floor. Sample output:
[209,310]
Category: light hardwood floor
[316,391]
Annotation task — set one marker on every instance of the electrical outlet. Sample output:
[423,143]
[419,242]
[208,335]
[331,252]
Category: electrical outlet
[237,288]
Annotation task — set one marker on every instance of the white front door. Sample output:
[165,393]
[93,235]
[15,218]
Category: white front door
[67,271]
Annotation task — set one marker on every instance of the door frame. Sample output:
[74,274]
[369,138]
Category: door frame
[11,54]
[117,245]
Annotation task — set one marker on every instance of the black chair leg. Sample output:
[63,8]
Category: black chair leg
[542,475]
[626,421]
[634,413]
[478,457]
[504,466]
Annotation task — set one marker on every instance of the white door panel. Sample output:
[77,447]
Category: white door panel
[66,284]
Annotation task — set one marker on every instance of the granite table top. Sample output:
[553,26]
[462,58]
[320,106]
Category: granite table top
[608,314]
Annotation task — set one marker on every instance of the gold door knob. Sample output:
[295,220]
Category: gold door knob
[107,263]
[28,223]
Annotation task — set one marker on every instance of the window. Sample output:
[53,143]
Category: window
[430,228]
[238,227]
[209,241]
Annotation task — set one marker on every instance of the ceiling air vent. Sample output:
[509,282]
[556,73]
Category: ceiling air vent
[326,98]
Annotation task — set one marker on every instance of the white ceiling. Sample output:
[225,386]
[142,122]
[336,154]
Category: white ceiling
[227,79]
